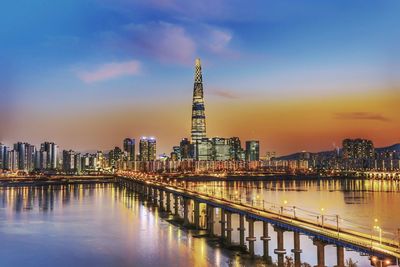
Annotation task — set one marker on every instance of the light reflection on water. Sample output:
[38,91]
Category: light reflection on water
[102,225]
[97,225]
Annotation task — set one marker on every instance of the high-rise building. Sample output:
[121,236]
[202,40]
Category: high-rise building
[221,149]
[186,149]
[129,148]
[3,157]
[358,149]
[114,157]
[205,149]
[71,162]
[147,149]
[237,152]
[252,150]
[22,159]
[51,150]
[13,160]
[176,153]
[198,114]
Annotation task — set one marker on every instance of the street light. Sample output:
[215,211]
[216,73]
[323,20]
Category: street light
[322,217]
[379,229]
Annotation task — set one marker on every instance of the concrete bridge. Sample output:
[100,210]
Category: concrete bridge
[382,252]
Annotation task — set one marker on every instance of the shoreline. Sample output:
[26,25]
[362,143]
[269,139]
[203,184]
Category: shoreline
[57,180]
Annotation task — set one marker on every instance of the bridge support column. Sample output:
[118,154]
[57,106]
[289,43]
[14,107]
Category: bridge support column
[251,237]
[155,196]
[196,214]
[340,256]
[222,222]
[320,252]
[280,251]
[176,207]
[229,227]
[161,199]
[296,249]
[241,231]
[186,211]
[266,238]
[210,220]
[168,201]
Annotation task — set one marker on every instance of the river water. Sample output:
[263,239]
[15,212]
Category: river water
[104,225]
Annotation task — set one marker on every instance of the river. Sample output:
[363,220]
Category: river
[104,225]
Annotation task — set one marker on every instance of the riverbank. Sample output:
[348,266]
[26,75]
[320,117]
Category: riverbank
[54,180]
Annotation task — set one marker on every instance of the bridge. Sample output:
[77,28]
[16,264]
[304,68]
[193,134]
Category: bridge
[382,251]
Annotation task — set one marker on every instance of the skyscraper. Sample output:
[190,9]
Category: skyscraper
[51,150]
[198,114]
[252,150]
[3,156]
[147,148]
[129,148]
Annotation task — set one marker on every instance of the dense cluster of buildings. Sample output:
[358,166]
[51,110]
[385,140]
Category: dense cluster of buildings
[199,154]
[354,155]
[26,157]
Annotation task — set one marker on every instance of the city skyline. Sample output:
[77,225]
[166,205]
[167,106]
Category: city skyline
[113,79]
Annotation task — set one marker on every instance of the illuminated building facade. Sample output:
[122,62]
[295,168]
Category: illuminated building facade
[358,149]
[198,111]
[51,150]
[147,149]
[129,148]
[252,150]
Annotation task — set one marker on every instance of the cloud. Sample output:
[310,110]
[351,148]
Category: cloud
[223,93]
[171,42]
[110,71]
[165,41]
[360,116]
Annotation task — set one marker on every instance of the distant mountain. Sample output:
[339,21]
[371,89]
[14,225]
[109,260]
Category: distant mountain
[395,147]
[299,155]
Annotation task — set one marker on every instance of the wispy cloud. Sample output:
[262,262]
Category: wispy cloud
[360,116]
[165,41]
[171,42]
[110,71]
[223,93]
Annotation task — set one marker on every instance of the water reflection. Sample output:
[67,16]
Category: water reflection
[98,225]
[357,202]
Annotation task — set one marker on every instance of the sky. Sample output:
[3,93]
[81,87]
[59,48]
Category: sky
[296,75]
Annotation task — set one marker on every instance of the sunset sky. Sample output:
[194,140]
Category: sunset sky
[296,75]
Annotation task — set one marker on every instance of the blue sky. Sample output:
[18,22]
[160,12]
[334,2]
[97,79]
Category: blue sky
[64,62]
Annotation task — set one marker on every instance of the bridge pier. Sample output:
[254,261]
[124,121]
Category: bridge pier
[296,249]
[251,239]
[241,230]
[340,256]
[210,220]
[266,238]
[176,207]
[320,252]
[222,222]
[229,227]
[155,196]
[161,199]
[280,251]
[168,201]
[196,214]
[186,211]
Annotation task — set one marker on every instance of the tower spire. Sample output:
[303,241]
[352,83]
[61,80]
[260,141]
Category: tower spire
[198,114]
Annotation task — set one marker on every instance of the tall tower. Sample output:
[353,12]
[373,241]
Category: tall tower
[198,115]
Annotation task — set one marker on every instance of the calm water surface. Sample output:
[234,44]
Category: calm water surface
[93,226]
[104,225]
